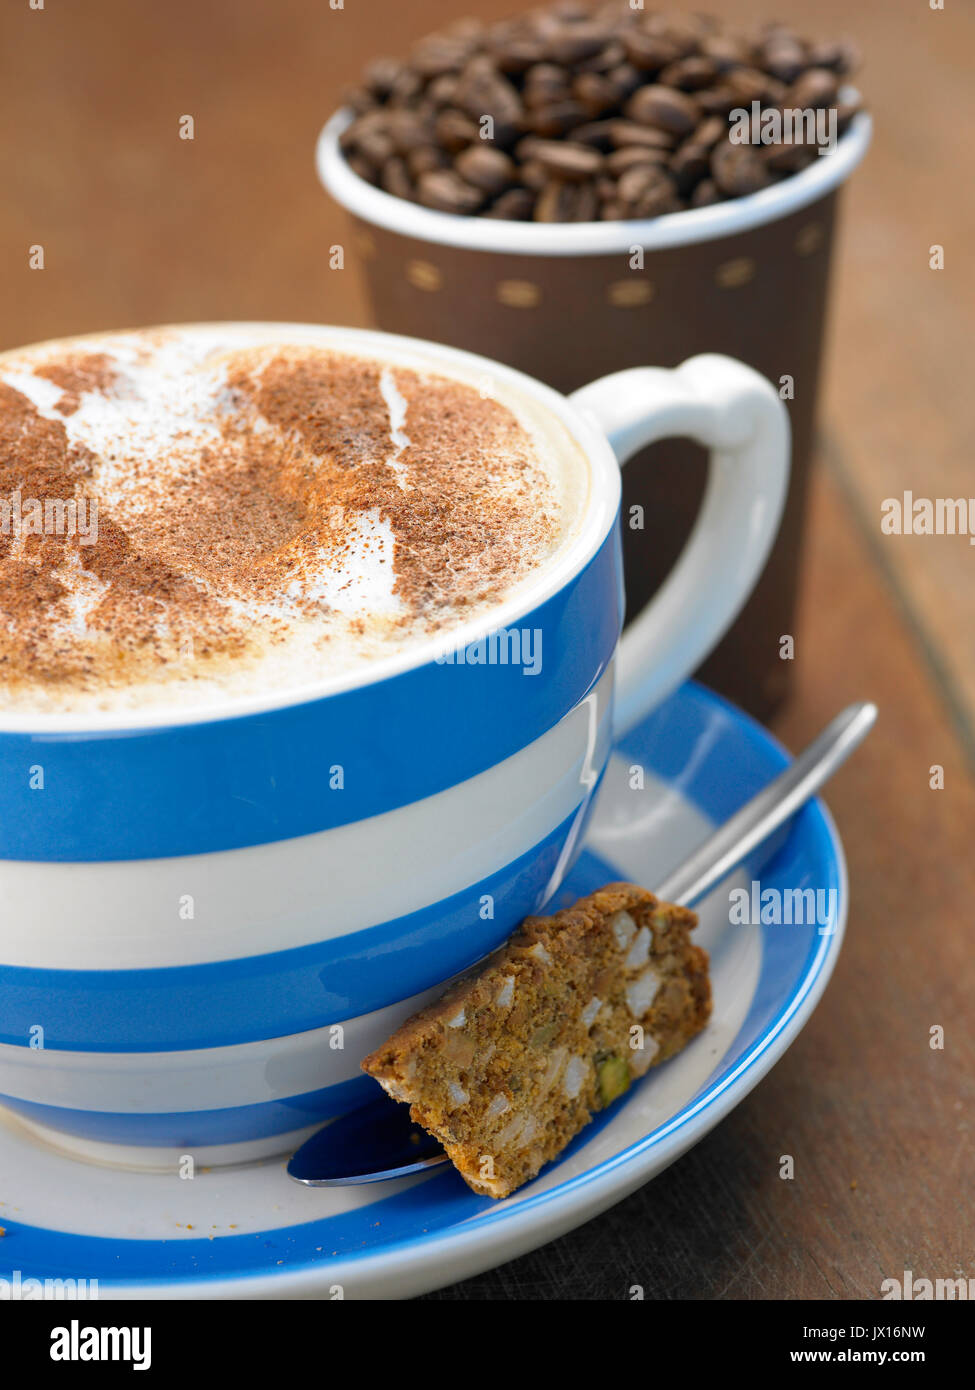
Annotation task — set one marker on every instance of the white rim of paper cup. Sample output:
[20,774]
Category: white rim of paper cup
[586,238]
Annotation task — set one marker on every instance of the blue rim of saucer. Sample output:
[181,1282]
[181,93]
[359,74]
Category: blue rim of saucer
[733,757]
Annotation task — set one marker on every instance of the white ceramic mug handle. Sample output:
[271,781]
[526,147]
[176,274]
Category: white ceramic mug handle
[734,412]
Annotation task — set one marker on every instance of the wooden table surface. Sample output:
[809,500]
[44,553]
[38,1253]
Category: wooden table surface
[139,226]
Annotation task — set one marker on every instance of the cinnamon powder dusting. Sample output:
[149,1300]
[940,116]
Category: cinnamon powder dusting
[267,514]
[74,374]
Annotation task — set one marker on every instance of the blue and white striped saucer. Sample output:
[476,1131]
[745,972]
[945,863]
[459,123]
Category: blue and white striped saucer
[250,1232]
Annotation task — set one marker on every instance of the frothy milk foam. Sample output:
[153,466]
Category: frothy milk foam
[265,510]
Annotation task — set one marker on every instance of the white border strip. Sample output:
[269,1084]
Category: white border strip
[210,1078]
[293,893]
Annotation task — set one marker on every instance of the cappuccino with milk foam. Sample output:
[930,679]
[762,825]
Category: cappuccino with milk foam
[191,515]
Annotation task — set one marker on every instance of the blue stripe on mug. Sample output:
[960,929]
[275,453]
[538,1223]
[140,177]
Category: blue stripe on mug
[189,1128]
[223,1003]
[224,784]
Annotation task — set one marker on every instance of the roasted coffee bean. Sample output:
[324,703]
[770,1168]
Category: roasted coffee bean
[564,159]
[557,119]
[425,159]
[787,159]
[631,155]
[598,134]
[612,211]
[556,202]
[705,194]
[625,78]
[633,185]
[718,100]
[689,165]
[503,135]
[395,178]
[663,203]
[664,109]
[629,133]
[748,85]
[547,114]
[376,146]
[544,84]
[486,168]
[516,205]
[739,169]
[774,91]
[442,91]
[534,176]
[725,52]
[362,167]
[587,203]
[596,93]
[372,121]
[524,150]
[446,191]
[567,202]
[570,43]
[454,130]
[514,56]
[656,199]
[408,130]
[406,88]
[380,76]
[686,31]
[602,62]
[484,91]
[710,131]
[689,74]
[440,54]
[783,57]
[816,88]
[648,53]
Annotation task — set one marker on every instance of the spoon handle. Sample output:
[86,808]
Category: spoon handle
[767,810]
[380,1141]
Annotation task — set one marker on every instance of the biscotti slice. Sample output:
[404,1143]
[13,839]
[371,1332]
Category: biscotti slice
[514,1059]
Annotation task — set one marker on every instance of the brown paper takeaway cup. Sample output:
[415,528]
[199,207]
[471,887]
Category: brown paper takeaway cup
[571,302]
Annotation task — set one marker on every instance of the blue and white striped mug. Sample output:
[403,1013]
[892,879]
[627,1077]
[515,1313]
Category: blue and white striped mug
[323,917]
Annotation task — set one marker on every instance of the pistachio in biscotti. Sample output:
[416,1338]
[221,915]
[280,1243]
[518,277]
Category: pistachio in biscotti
[516,1057]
